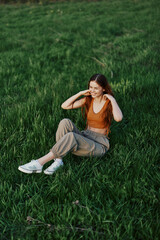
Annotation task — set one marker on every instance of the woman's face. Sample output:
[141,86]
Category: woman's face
[95,89]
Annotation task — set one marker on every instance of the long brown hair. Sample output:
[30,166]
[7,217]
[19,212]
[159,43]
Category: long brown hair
[108,116]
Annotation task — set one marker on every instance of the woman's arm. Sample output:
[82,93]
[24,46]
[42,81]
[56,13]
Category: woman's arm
[117,113]
[72,103]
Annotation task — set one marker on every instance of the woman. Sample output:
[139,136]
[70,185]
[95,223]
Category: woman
[100,107]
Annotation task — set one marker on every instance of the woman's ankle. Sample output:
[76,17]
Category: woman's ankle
[48,157]
[58,160]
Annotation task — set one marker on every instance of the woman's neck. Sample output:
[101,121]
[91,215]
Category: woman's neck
[98,99]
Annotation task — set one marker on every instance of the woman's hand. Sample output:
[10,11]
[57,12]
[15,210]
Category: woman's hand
[85,92]
[72,102]
[110,97]
[117,114]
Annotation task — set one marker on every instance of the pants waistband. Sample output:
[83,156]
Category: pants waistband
[94,133]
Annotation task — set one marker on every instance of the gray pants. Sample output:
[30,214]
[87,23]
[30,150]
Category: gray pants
[80,143]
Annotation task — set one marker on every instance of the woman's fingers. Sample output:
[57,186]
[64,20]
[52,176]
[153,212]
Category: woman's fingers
[86,92]
[105,97]
[110,97]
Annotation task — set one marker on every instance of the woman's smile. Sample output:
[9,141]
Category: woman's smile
[95,89]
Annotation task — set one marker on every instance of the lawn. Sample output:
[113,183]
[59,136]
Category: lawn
[48,53]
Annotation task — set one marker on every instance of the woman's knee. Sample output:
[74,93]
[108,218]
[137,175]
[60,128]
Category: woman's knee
[71,139]
[64,127]
[64,122]
[71,136]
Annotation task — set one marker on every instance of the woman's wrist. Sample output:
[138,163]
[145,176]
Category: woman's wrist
[112,99]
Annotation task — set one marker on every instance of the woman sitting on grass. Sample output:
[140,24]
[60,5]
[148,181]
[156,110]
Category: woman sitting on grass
[100,107]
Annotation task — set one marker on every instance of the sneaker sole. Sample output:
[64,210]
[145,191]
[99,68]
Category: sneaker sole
[28,171]
[50,173]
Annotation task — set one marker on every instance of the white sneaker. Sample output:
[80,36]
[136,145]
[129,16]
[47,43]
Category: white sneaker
[53,167]
[32,167]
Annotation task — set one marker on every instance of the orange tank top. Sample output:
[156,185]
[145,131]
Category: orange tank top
[96,120]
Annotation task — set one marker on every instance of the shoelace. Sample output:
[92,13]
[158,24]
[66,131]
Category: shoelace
[54,165]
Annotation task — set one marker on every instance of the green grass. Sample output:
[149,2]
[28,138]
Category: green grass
[48,53]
